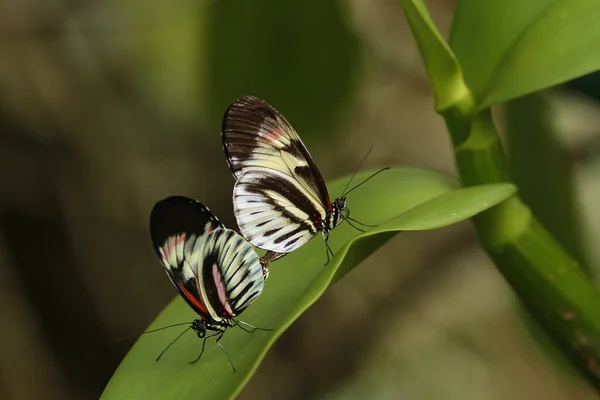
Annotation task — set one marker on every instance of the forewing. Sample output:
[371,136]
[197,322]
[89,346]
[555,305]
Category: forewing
[255,135]
[274,212]
[178,215]
[178,228]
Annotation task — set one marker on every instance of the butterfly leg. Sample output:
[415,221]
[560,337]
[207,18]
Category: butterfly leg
[203,344]
[252,328]
[327,248]
[170,344]
[225,352]
[346,217]
[360,223]
[354,226]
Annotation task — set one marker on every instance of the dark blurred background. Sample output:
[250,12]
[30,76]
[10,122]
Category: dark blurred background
[108,106]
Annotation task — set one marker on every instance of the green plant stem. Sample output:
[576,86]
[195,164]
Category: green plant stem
[545,277]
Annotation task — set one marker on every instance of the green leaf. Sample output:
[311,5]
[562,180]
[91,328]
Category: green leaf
[450,208]
[442,67]
[406,198]
[508,48]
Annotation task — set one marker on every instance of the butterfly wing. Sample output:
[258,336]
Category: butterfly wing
[232,275]
[258,140]
[214,269]
[272,212]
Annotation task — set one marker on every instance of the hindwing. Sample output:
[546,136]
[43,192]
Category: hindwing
[274,212]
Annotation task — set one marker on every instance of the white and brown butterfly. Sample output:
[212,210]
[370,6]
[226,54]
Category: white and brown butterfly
[213,268]
[280,199]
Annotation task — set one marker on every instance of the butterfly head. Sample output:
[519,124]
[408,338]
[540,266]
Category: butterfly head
[201,326]
[338,211]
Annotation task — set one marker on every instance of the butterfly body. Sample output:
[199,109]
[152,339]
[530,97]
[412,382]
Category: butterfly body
[201,327]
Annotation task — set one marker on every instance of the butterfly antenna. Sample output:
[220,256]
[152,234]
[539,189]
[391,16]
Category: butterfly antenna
[174,340]
[167,327]
[365,181]
[153,330]
[356,171]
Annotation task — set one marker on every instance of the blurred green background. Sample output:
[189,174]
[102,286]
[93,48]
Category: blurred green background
[107,107]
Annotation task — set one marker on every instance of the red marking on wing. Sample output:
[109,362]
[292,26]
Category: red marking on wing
[275,135]
[173,243]
[194,300]
[222,292]
[317,220]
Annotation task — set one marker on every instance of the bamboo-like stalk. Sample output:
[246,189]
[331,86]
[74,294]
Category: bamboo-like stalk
[546,278]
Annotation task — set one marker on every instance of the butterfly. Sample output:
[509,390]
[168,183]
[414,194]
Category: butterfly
[280,199]
[213,268]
